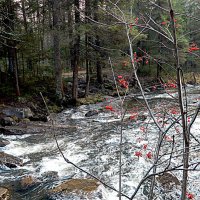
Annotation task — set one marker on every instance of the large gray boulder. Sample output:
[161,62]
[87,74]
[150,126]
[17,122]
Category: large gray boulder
[20,113]
[10,160]
[77,189]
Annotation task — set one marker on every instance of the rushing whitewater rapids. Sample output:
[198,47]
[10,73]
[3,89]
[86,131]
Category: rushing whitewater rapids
[94,146]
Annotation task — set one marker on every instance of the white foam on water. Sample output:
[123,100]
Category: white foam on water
[159,96]
[14,137]
[78,115]
[59,164]
[17,148]
[54,164]
[106,120]
[112,140]
[78,155]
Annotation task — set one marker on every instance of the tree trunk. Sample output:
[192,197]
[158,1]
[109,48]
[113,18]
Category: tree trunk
[97,43]
[159,69]
[76,56]
[98,63]
[183,110]
[24,16]
[88,12]
[56,43]
[11,46]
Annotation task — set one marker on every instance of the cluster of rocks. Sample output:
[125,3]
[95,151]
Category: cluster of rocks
[11,123]
[11,115]
[77,189]
[10,161]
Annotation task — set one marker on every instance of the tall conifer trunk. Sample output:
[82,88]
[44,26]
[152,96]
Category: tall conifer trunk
[97,43]
[87,40]
[76,55]
[56,44]
[11,45]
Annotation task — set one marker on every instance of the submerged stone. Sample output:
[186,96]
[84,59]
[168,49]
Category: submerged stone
[3,142]
[28,181]
[91,113]
[50,175]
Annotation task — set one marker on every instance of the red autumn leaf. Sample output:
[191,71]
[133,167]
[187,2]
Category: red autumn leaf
[120,77]
[193,49]
[132,117]
[171,85]
[163,23]
[136,20]
[123,83]
[190,195]
[109,108]
[145,146]
[168,138]
[138,154]
[149,155]
[174,111]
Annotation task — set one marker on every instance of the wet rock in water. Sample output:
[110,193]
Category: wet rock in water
[4,193]
[9,160]
[77,189]
[10,131]
[168,180]
[50,175]
[28,181]
[4,131]
[91,113]
[3,142]
[7,121]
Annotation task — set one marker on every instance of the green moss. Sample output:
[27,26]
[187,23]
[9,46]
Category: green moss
[91,99]
[54,108]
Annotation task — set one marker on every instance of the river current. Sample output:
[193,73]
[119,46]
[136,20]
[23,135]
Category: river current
[92,143]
